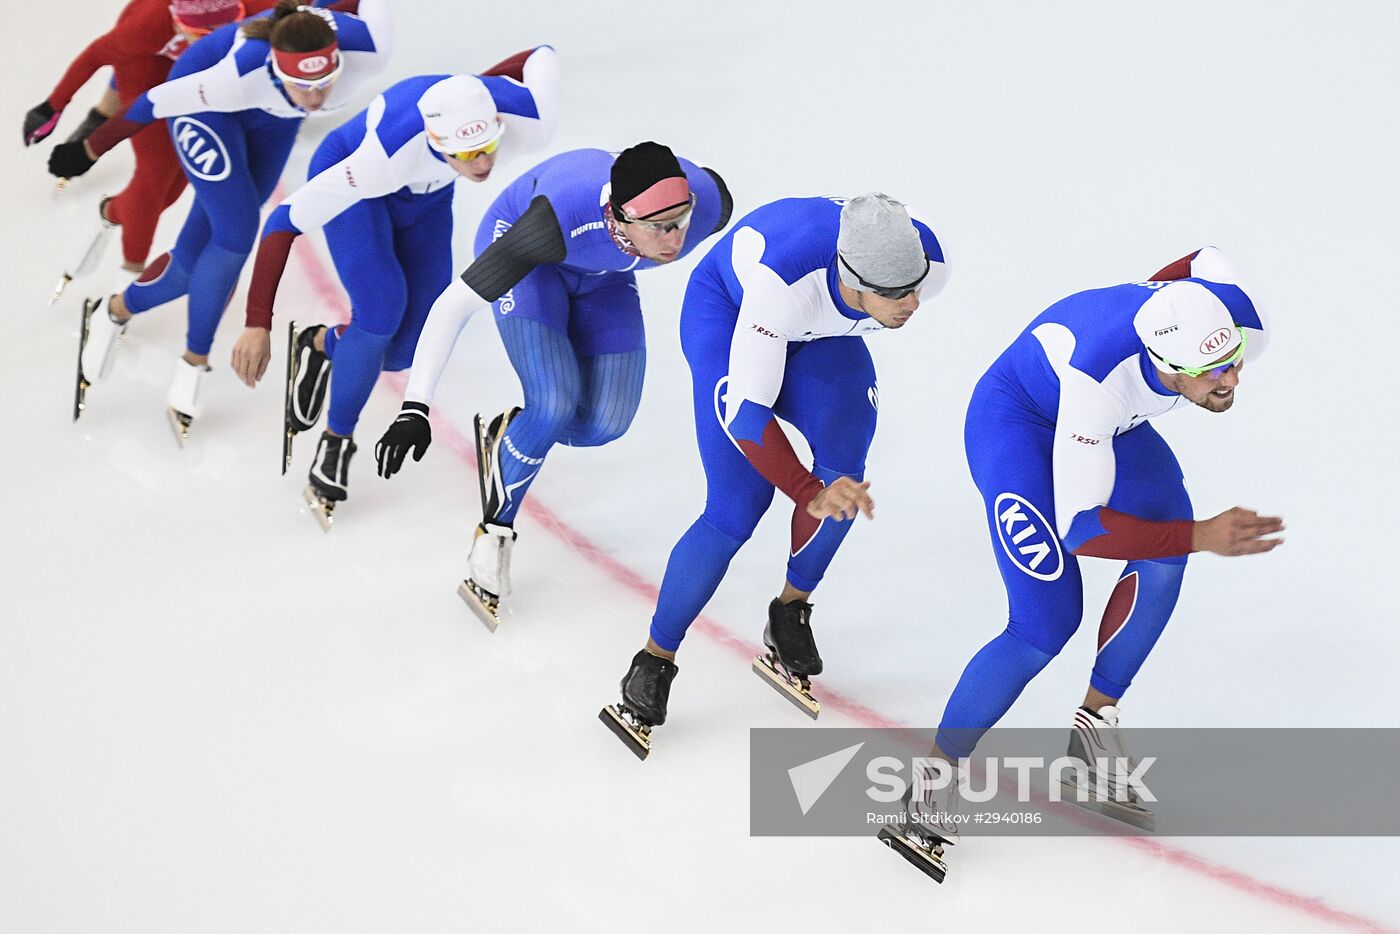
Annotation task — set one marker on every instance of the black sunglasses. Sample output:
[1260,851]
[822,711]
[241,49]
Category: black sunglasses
[894,293]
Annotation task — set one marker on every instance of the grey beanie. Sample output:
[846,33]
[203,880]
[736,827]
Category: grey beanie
[879,244]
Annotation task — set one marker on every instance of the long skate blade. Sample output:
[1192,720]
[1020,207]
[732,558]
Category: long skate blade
[802,699]
[180,424]
[322,509]
[488,614]
[480,430]
[930,863]
[63,281]
[1134,815]
[632,738]
[97,248]
[80,385]
[287,431]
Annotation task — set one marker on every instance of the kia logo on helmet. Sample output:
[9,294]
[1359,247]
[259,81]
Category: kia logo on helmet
[309,66]
[468,130]
[1216,341]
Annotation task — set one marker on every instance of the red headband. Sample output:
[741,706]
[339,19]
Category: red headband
[307,66]
[666,194]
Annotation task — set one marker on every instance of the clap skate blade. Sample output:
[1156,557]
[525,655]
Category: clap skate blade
[634,734]
[1134,815]
[797,690]
[487,607]
[81,385]
[321,508]
[924,855]
[287,431]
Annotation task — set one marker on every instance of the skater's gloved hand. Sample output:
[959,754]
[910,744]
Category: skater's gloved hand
[410,431]
[842,500]
[1237,531]
[251,353]
[39,122]
[69,160]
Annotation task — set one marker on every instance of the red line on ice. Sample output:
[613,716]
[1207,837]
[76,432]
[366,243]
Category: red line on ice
[330,293]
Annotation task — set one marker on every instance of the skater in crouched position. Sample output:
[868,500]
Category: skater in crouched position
[1061,448]
[381,187]
[234,103]
[557,256]
[772,327]
[148,37]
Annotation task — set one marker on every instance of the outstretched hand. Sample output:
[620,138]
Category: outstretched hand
[1237,531]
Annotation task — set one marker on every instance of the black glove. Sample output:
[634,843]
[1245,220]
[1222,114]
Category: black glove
[69,160]
[39,122]
[410,431]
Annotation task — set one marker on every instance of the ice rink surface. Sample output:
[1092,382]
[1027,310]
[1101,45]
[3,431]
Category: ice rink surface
[215,718]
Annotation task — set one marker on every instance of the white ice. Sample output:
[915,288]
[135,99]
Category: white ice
[215,718]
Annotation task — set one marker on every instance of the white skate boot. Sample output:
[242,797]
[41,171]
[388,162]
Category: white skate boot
[930,821]
[98,336]
[1097,740]
[183,398]
[489,565]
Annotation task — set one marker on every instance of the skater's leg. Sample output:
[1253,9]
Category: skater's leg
[829,396]
[1009,455]
[213,246]
[156,182]
[423,244]
[533,330]
[167,277]
[258,147]
[736,495]
[1148,483]
[361,242]
[606,330]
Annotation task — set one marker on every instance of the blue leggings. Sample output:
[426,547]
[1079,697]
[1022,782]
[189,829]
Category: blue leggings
[828,395]
[394,256]
[233,161]
[1009,452]
[577,344]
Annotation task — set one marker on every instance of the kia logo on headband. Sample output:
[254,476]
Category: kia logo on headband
[475,128]
[310,66]
[1216,341]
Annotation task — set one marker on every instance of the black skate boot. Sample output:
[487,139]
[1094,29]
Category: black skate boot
[308,371]
[792,657]
[488,447]
[330,476]
[645,690]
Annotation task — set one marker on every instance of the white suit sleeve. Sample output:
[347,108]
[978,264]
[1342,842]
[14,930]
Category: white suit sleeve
[767,316]
[449,314]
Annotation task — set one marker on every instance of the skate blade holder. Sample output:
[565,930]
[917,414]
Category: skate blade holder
[58,289]
[322,509]
[287,431]
[928,861]
[81,384]
[486,606]
[797,690]
[1134,815]
[635,736]
[180,424]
